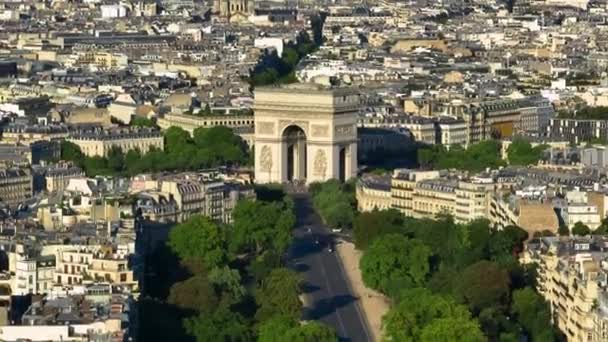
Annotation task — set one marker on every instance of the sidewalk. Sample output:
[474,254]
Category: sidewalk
[373,304]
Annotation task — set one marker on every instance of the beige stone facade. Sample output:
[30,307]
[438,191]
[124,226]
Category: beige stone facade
[306,133]
[374,194]
[15,186]
[78,265]
[100,143]
[571,277]
[425,194]
[191,122]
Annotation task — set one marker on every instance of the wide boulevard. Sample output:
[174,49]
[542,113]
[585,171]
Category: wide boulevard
[326,287]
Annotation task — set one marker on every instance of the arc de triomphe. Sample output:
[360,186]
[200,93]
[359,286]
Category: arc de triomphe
[305,132]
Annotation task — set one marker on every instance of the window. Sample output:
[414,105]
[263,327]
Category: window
[123,278]
[30,280]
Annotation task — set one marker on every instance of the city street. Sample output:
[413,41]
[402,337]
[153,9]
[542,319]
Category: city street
[326,287]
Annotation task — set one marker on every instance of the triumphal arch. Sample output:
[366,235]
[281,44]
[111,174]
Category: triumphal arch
[305,132]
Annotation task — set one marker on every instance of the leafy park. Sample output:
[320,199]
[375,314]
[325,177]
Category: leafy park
[207,147]
[479,156]
[214,282]
[451,282]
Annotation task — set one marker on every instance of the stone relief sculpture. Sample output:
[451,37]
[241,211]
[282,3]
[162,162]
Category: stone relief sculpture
[266,158]
[320,163]
[344,130]
[320,130]
[265,127]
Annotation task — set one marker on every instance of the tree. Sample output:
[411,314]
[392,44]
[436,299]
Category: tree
[333,203]
[196,293]
[340,215]
[507,242]
[445,238]
[453,329]
[221,325]
[132,161]
[533,313]
[475,244]
[228,283]
[477,157]
[275,328]
[116,159]
[521,152]
[175,139]
[278,294]
[483,284]
[200,238]
[311,332]
[96,166]
[142,122]
[393,257]
[369,225]
[580,229]
[261,226]
[417,308]
[71,152]
[281,328]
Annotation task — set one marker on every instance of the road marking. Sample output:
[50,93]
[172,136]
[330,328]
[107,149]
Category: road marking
[332,295]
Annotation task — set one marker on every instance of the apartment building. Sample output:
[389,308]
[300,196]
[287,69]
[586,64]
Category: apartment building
[191,122]
[16,133]
[531,213]
[58,176]
[15,186]
[572,278]
[89,315]
[34,275]
[78,265]
[194,195]
[451,132]
[99,142]
[403,183]
[425,194]
[577,131]
[374,192]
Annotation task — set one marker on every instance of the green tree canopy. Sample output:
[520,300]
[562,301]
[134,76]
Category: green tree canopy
[228,283]
[278,294]
[276,328]
[334,203]
[521,152]
[141,121]
[262,226]
[533,313]
[453,329]
[311,332]
[71,152]
[477,157]
[221,325]
[195,293]
[580,229]
[482,285]
[416,310]
[282,328]
[202,239]
[369,225]
[395,258]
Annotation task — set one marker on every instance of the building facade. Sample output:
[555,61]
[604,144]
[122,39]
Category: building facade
[16,186]
[97,142]
[305,133]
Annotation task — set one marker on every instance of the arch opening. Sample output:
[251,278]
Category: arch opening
[295,139]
